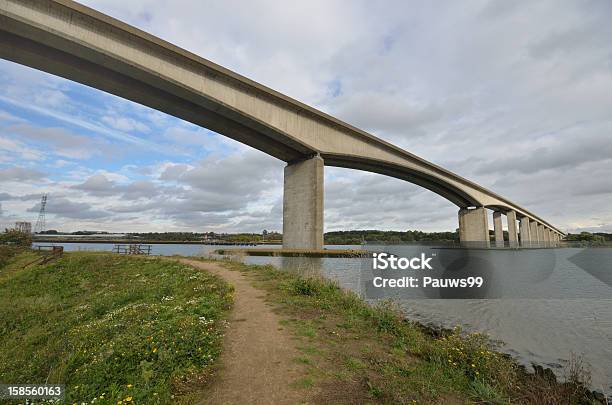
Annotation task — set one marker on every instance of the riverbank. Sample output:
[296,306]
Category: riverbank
[131,328]
[358,353]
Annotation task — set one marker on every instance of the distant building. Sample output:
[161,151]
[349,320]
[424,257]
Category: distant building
[24,227]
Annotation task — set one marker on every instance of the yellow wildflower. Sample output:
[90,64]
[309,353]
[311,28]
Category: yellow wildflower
[129,385]
[155,350]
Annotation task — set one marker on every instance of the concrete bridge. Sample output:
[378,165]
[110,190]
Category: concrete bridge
[72,41]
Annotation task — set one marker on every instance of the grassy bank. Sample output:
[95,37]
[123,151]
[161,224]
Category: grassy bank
[122,330]
[115,330]
[357,353]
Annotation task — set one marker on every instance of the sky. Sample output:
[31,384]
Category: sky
[516,96]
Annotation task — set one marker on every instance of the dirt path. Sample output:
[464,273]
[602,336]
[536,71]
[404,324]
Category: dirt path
[258,359]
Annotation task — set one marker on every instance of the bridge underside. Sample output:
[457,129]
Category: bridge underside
[446,190]
[303,209]
[72,41]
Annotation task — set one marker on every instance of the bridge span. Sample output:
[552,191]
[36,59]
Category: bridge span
[70,40]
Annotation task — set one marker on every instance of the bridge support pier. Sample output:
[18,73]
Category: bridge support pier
[303,205]
[525,232]
[512,231]
[498,229]
[533,231]
[474,227]
[541,237]
[553,238]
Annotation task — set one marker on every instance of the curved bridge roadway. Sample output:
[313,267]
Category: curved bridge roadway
[73,41]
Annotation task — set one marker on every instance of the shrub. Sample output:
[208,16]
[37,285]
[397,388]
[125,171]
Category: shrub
[6,253]
[474,356]
[14,237]
[12,242]
[313,286]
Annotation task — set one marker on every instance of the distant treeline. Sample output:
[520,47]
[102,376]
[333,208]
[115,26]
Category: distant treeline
[331,238]
[357,237]
[589,237]
[56,232]
[196,236]
[169,236]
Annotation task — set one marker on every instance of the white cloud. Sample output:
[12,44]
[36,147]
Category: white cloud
[125,124]
[15,151]
[17,173]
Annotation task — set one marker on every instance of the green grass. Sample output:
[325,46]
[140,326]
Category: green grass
[112,328]
[359,353]
[304,383]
